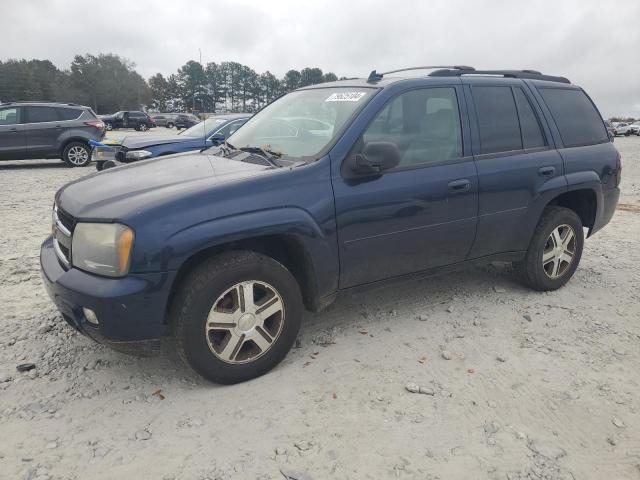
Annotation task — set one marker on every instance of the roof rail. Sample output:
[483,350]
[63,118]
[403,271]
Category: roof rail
[531,74]
[28,102]
[375,76]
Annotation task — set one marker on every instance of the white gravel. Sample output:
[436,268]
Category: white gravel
[517,384]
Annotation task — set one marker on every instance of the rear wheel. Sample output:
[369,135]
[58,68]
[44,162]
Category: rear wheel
[236,316]
[554,251]
[170,125]
[77,154]
[143,127]
[108,127]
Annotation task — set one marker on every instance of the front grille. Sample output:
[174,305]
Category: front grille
[66,220]
[63,225]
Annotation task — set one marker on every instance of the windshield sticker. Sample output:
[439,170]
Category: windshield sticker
[345,97]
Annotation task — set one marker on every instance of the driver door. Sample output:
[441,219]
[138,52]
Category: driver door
[420,214]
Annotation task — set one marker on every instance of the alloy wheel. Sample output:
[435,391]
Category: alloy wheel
[245,322]
[559,251]
[78,155]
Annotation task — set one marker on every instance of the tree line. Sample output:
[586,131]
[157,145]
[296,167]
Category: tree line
[108,83]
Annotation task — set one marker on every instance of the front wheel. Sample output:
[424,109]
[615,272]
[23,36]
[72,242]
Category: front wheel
[554,251]
[236,316]
[169,125]
[108,127]
[77,154]
[143,127]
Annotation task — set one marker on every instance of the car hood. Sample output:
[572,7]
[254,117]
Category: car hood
[117,193]
[138,142]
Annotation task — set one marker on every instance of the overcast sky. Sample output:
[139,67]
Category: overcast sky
[595,43]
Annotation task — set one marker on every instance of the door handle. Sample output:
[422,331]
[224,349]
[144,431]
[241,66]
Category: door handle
[546,171]
[459,186]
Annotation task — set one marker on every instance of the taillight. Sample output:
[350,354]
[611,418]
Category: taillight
[95,124]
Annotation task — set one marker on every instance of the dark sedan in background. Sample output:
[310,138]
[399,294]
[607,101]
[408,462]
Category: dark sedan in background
[208,133]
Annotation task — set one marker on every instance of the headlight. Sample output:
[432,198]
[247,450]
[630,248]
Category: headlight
[102,248]
[138,154]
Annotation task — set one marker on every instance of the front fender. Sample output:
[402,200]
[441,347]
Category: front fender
[292,221]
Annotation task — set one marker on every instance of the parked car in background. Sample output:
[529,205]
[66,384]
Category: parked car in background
[223,250]
[186,120]
[634,128]
[167,120]
[129,119]
[610,131]
[35,130]
[621,128]
[208,133]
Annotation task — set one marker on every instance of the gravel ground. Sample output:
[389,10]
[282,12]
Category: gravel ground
[508,383]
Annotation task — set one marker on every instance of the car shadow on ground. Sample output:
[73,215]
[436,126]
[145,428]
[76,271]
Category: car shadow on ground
[31,165]
[406,297]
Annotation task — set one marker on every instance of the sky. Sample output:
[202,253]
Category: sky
[595,43]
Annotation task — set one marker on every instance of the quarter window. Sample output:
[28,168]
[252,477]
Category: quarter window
[9,116]
[69,113]
[423,123]
[41,114]
[497,119]
[577,119]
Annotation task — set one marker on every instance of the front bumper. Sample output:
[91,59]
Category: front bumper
[129,309]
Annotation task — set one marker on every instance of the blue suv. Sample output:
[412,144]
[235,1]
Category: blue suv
[332,187]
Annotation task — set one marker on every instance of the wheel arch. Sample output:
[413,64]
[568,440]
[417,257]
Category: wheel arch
[287,249]
[583,201]
[66,141]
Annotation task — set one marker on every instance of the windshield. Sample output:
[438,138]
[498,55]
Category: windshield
[301,123]
[201,129]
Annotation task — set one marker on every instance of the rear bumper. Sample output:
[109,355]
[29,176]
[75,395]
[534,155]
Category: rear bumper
[605,214]
[129,309]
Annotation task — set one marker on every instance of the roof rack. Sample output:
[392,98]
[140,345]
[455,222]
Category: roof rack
[531,74]
[375,76]
[460,70]
[28,102]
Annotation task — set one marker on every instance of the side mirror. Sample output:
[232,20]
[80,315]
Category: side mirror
[376,157]
[217,138]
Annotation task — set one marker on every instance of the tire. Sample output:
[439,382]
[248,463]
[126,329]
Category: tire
[558,268]
[108,127]
[143,127]
[77,154]
[170,125]
[227,353]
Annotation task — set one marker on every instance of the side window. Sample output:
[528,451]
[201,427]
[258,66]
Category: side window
[497,119]
[576,117]
[69,113]
[423,123]
[532,136]
[10,116]
[41,114]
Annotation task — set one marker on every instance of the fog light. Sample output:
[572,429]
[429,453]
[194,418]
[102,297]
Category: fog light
[90,315]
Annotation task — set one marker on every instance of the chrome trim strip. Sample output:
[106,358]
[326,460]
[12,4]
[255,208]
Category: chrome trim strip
[59,254]
[59,224]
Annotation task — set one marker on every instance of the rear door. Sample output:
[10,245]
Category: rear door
[42,127]
[12,138]
[519,168]
[421,214]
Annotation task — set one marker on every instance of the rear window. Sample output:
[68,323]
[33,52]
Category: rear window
[576,117]
[497,119]
[69,113]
